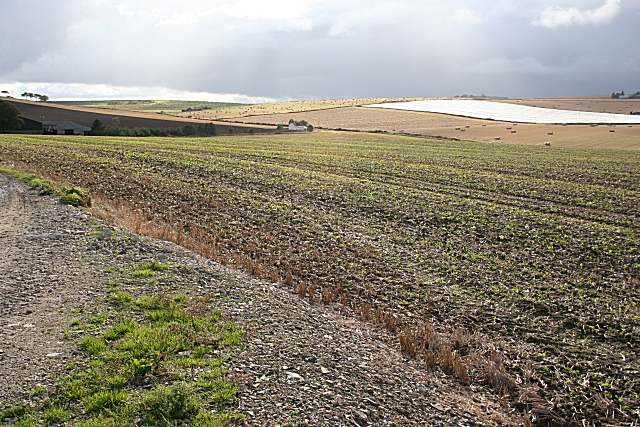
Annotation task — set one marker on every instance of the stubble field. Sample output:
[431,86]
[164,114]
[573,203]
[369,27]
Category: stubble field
[224,110]
[594,105]
[528,249]
[371,119]
[285,107]
[454,127]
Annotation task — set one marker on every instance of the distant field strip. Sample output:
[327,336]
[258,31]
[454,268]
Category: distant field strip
[510,112]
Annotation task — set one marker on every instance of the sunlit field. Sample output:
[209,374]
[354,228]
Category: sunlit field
[534,248]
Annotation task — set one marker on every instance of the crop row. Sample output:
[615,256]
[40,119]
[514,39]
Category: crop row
[536,249]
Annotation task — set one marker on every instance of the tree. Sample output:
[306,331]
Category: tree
[43,98]
[189,130]
[9,117]
[97,128]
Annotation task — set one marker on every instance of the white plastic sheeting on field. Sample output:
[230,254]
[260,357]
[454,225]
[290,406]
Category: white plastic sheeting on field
[510,112]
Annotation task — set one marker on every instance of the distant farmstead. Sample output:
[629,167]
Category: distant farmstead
[297,126]
[66,127]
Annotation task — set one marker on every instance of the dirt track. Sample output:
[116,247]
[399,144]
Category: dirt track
[41,283]
[300,362]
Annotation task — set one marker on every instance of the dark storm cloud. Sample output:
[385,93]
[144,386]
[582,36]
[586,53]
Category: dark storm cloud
[321,49]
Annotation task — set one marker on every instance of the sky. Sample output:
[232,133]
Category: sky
[258,51]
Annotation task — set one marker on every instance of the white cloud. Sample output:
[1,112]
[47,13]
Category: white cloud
[504,66]
[357,20]
[294,12]
[288,10]
[466,16]
[123,9]
[79,91]
[555,16]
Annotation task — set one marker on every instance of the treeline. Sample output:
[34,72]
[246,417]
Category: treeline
[43,98]
[190,109]
[99,129]
[483,96]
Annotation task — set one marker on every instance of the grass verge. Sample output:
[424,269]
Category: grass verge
[69,195]
[160,362]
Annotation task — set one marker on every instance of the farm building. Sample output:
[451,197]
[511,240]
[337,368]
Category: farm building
[297,126]
[66,127]
[31,126]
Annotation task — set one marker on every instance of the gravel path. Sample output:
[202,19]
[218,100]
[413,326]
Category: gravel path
[301,363]
[43,286]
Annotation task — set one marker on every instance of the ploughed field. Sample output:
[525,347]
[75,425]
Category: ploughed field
[81,113]
[536,249]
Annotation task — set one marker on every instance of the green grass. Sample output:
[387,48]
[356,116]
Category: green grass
[93,345]
[74,196]
[143,272]
[106,391]
[121,297]
[149,269]
[99,319]
[56,415]
[105,400]
[12,412]
[119,330]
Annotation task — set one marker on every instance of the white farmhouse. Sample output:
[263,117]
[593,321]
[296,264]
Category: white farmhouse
[66,127]
[297,126]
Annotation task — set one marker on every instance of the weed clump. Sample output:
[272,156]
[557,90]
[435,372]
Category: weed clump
[12,412]
[105,399]
[93,345]
[149,269]
[74,196]
[174,402]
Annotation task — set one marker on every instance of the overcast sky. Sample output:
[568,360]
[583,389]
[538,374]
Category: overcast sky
[256,50]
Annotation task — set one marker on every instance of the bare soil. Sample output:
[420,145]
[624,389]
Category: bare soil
[300,362]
